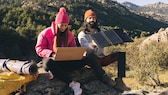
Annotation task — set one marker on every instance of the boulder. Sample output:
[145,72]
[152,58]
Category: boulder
[89,84]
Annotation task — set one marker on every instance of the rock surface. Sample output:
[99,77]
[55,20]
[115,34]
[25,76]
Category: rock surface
[89,84]
[160,36]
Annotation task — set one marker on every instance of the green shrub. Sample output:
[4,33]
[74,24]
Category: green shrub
[148,61]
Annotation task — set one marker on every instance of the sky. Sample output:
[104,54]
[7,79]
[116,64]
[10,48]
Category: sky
[143,2]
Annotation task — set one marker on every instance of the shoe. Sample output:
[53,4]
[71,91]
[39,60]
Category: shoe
[121,85]
[108,81]
[50,75]
[76,87]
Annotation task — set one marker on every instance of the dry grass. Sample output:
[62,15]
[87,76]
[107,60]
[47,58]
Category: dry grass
[130,81]
[163,76]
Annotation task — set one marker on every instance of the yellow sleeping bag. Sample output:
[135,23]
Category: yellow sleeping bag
[11,82]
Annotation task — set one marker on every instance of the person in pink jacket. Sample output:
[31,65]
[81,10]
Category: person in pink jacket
[58,35]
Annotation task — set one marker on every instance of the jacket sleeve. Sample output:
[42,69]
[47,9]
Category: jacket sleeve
[84,41]
[42,47]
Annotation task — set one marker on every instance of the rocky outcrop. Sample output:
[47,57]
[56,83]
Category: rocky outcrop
[160,36]
[89,84]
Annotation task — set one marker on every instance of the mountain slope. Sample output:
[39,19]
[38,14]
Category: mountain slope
[158,11]
[109,13]
[24,20]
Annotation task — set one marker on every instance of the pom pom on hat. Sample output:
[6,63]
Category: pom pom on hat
[62,9]
[62,16]
[88,13]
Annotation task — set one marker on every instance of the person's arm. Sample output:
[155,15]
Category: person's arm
[42,46]
[85,41]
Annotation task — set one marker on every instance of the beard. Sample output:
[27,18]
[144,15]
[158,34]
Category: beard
[91,25]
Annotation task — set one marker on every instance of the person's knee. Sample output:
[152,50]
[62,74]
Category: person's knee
[92,56]
[122,53]
[48,63]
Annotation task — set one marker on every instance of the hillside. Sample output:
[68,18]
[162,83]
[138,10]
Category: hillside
[109,13]
[158,11]
[21,22]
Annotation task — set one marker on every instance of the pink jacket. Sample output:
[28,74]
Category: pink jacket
[45,40]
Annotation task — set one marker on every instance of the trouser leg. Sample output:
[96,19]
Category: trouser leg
[121,59]
[62,69]
[93,60]
[121,64]
[60,73]
[120,85]
[44,63]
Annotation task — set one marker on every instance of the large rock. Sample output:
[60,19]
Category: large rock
[89,84]
[160,36]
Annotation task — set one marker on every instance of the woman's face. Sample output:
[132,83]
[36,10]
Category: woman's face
[62,27]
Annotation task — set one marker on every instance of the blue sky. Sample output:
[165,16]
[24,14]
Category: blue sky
[143,2]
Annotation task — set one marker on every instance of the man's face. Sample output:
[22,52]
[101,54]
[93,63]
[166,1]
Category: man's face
[91,19]
[91,22]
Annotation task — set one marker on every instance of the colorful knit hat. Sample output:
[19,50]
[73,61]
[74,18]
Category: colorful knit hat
[62,16]
[88,13]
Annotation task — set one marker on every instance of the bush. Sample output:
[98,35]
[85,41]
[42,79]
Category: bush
[148,61]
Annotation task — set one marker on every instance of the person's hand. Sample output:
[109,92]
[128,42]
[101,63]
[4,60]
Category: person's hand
[52,56]
[94,45]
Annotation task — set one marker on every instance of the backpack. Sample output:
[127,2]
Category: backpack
[11,82]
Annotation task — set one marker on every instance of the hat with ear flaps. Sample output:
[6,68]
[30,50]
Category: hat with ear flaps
[62,16]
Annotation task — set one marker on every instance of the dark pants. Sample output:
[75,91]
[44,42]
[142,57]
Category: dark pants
[62,69]
[120,57]
[121,64]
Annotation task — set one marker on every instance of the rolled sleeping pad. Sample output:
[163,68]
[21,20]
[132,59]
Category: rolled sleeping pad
[2,61]
[29,68]
[20,67]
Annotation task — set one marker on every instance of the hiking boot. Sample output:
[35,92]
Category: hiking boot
[121,85]
[76,87]
[108,81]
